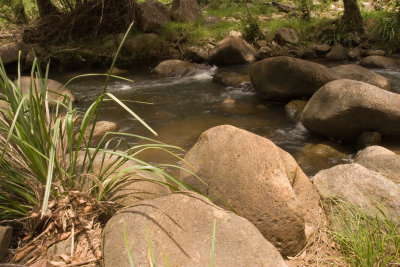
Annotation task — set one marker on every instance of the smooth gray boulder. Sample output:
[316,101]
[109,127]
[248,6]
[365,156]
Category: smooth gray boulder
[260,181]
[358,73]
[180,227]
[380,160]
[286,78]
[357,185]
[232,50]
[343,109]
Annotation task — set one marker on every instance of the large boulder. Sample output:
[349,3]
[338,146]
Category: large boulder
[100,130]
[153,16]
[358,73]
[179,227]
[380,160]
[380,62]
[232,50]
[285,36]
[185,10]
[357,185]
[174,67]
[9,53]
[259,181]
[286,78]
[55,90]
[343,109]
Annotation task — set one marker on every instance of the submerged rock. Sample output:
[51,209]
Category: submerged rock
[380,62]
[343,109]
[357,185]
[179,227]
[286,78]
[232,79]
[259,181]
[294,108]
[232,51]
[358,73]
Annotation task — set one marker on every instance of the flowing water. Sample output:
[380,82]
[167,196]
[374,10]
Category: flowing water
[182,108]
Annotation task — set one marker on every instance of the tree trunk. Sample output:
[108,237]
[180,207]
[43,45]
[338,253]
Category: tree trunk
[46,8]
[352,15]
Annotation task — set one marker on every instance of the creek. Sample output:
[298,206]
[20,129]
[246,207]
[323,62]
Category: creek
[182,108]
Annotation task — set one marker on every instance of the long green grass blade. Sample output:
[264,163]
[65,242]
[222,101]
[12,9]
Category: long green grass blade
[128,250]
[213,244]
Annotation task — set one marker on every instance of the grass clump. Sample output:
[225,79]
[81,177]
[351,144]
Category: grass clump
[365,239]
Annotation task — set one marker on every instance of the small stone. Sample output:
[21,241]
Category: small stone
[284,36]
[376,53]
[229,103]
[322,49]
[338,52]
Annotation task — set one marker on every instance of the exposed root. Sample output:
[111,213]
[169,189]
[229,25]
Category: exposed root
[75,221]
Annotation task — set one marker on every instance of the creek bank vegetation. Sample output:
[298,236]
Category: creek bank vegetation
[75,195]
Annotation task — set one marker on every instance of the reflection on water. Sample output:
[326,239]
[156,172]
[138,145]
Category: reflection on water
[180,109]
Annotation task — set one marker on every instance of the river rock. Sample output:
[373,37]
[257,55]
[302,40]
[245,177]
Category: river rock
[196,54]
[376,53]
[54,88]
[259,181]
[231,79]
[317,156]
[9,53]
[286,78]
[358,73]
[180,227]
[100,130]
[357,185]
[382,62]
[185,10]
[153,16]
[338,52]
[294,108]
[368,138]
[174,67]
[354,54]
[232,51]
[343,109]
[5,242]
[133,184]
[285,36]
[386,162]
[322,49]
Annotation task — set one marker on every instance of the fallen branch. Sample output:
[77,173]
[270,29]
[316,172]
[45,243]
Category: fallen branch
[281,7]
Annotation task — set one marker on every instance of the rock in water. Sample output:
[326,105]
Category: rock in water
[343,109]
[286,78]
[232,50]
[174,67]
[358,73]
[179,227]
[379,62]
[260,181]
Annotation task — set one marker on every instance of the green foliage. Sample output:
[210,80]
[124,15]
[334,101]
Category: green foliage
[387,31]
[251,29]
[39,148]
[366,240]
